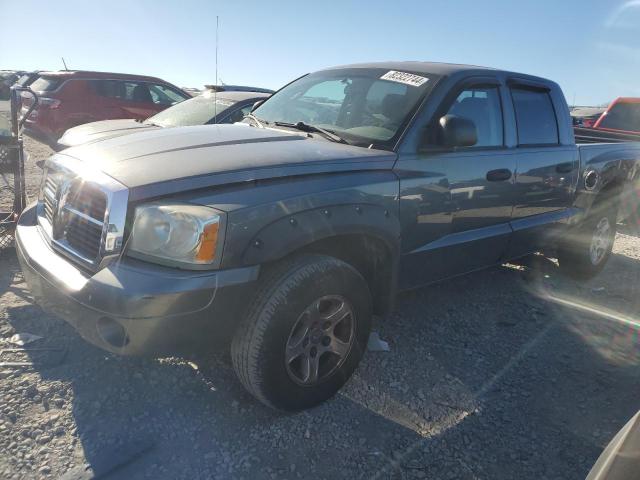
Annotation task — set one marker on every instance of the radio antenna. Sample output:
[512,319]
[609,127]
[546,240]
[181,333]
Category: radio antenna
[215,91]
[64,63]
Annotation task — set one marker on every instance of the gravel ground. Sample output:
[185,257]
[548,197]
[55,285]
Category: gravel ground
[514,372]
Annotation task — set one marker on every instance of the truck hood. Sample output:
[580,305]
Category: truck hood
[164,161]
[103,129]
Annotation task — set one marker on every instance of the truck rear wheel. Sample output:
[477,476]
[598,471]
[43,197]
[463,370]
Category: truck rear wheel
[588,248]
[305,332]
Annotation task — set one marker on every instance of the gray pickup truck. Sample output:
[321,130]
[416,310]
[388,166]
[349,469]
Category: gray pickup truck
[283,235]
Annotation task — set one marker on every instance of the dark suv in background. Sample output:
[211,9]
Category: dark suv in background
[70,98]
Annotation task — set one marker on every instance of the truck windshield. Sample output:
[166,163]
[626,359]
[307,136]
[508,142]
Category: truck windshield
[363,105]
[195,111]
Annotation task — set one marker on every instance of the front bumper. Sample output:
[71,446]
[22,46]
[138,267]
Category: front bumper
[132,307]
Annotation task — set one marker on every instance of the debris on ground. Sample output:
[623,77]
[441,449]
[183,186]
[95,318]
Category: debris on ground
[22,339]
[376,344]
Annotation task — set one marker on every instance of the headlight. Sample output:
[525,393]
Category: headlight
[177,234]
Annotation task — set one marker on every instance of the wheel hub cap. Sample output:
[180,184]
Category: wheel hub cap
[320,340]
[600,241]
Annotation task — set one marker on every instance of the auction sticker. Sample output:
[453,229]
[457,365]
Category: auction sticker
[404,77]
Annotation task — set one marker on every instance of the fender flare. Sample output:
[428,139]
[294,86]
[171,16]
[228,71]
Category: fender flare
[293,232]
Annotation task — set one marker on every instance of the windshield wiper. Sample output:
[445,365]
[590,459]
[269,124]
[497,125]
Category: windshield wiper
[255,119]
[152,124]
[305,127]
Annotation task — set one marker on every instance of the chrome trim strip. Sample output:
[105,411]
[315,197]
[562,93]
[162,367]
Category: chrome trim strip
[83,215]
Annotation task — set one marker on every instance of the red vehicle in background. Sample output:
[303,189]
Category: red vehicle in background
[622,116]
[71,98]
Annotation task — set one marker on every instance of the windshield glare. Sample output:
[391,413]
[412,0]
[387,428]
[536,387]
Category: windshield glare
[195,111]
[365,106]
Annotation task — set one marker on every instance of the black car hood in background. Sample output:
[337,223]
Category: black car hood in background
[102,129]
[166,161]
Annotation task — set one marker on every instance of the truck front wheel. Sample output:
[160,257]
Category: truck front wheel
[305,332]
[588,247]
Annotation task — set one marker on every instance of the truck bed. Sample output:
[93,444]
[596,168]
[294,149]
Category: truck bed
[613,157]
[592,135]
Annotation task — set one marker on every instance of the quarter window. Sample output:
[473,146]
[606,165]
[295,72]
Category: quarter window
[535,117]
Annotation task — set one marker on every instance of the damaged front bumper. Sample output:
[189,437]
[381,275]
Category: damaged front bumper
[133,307]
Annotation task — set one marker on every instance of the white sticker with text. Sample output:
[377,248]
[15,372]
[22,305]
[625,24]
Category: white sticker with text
[404,77]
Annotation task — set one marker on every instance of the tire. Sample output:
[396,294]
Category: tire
[576,256]
[295,294]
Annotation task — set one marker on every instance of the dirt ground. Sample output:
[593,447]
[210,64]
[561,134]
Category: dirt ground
[513,372]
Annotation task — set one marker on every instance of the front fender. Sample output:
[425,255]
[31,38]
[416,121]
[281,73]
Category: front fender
[295,231]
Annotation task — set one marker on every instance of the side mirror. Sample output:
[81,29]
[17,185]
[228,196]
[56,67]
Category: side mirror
[458,131]
[257,104]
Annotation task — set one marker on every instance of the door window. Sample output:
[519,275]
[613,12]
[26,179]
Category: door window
[535,117]
[482,106]
[108,88]
[137,92]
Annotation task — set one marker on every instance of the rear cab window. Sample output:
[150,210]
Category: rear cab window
[536,120]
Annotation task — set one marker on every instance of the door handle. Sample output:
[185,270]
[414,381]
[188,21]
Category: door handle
[564,167]
[499,175]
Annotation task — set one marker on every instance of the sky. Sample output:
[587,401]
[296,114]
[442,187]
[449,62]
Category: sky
[590,47]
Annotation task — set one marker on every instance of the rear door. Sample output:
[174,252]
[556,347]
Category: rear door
[546,168]
[456,204]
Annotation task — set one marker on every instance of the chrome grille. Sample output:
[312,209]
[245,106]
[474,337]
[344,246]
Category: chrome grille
[49,192]
[85,208]
[83,236]
[82,211]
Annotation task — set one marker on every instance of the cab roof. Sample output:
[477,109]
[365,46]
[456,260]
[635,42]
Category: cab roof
[99,75]
[436,68]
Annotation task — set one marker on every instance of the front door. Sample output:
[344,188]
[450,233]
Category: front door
[456,205]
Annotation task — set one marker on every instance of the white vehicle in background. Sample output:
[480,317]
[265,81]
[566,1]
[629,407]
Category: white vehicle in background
[207,108]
